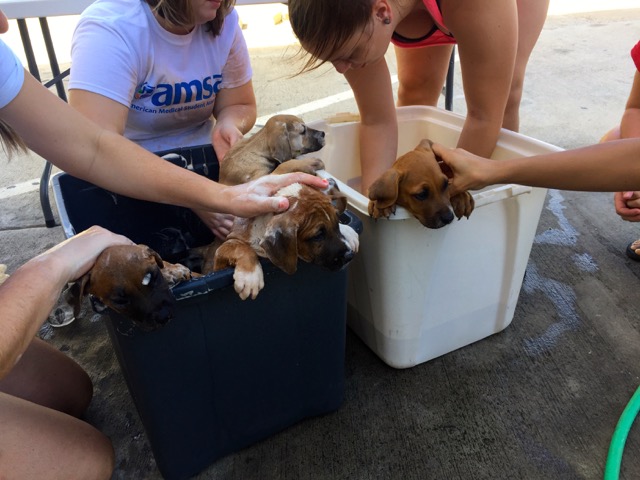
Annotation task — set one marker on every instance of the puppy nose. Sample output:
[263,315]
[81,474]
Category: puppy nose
[343,258]
[446,217]
[163,315]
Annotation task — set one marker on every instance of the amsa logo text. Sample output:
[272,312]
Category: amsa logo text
[165,94]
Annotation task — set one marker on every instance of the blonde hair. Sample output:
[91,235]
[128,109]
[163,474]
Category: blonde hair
[11,141]
[179,13]
[323,26]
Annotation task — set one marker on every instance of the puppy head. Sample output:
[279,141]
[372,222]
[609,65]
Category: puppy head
[416,182]
[288,137]
[127,279]
[309,230]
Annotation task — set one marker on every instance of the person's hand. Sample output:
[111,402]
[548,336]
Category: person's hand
[219,223]
[256,197]
[224,136]
[627,205]
[469,171]
[76,255]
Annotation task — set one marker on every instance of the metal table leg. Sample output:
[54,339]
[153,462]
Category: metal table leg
[448,89]
[57,80]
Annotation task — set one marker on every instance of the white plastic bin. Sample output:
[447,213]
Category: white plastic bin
[415,293]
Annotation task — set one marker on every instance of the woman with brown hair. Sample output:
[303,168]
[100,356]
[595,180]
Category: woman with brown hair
[165,74]
[494,42]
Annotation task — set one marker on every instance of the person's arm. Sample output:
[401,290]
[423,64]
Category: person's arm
[627,203]
[630,123]
[371,86]
[605,167]
[66,138]
[102,110]
[487,37]
[235,113]
[29,294]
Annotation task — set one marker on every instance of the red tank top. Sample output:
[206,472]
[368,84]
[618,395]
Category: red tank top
[435,37]
[635,55]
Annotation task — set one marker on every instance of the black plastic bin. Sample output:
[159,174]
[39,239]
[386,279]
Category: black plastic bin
[224,373]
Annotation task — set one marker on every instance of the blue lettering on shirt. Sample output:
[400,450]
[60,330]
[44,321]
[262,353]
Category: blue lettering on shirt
[165,94]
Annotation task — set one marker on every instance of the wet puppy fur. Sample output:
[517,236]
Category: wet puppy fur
[131,280]
[309,231]
[416,181]
[273,149]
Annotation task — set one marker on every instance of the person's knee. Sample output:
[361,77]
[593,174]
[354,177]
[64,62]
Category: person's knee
[101,456]
[418,92]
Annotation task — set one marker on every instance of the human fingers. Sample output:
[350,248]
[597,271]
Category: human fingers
[4,23]
[219,223]
[632,216]
[459,180]
[280,181]
[77,254]
[224,137]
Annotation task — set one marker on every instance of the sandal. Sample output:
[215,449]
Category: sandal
[633,250]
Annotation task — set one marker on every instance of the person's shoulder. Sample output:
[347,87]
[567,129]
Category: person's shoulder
[231,22]
[113,11]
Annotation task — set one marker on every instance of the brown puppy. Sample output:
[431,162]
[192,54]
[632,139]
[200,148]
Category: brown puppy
[132,280]
[271,150]
[309,230]
[416,182]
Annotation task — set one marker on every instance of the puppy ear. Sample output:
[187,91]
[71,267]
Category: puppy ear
[338,199]
[149,252]
[280,243]
[278,142]
[74,294]
[384,191]
[425,144]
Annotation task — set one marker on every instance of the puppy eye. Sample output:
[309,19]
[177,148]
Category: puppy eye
[422,195]
[304,129]
[120,299]
[318,237]
[445,185]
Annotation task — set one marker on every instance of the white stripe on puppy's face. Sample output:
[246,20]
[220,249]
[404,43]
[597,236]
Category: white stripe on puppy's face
[292,190]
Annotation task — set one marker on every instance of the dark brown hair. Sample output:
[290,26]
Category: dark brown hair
[179,13]
[323,26]
[11,141]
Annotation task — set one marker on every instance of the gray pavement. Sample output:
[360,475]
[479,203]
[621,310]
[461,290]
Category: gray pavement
[496,409]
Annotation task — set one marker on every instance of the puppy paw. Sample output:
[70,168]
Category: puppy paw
[376,210]
[351,238]
[462,204]
[175,273]
[248,283]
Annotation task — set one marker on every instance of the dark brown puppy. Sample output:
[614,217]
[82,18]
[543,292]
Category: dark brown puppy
[272,150]
[132,280]
[309,230]
[416,182]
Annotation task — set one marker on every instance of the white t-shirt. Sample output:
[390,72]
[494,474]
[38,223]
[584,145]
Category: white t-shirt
[11,75]
[169,82]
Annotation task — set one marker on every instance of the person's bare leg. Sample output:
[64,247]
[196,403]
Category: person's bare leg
[421,74]
[38,442]
[49,378]
[531,17]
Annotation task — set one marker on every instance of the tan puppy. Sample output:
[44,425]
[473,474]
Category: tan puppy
[132,280]
[271,150]
[416,182]
[309,230]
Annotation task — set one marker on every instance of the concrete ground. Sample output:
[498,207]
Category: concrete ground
[539,400]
